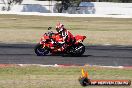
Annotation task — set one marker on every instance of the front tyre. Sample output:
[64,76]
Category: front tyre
[40,51]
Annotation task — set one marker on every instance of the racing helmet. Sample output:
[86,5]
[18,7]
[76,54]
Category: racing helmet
[59,27]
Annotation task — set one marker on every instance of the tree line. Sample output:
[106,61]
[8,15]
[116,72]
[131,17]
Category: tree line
[122,1]
[10,3]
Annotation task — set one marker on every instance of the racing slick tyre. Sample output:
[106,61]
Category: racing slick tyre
[40,51]
[76,50]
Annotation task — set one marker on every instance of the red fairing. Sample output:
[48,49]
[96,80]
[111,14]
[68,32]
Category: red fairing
[58,38]
[43,38]
[79,37]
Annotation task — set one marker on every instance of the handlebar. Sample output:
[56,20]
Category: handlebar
[49,28]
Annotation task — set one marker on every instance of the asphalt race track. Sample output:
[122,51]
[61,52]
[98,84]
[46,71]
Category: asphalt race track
[94,55]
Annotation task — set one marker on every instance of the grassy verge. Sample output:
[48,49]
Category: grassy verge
[51,77]
[29,29]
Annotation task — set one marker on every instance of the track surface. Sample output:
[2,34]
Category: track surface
[94,55]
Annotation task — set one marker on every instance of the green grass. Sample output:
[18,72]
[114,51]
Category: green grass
[116,31]
[41,23]
[52,77]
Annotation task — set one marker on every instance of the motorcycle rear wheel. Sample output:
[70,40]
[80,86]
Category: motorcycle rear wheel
[77,50]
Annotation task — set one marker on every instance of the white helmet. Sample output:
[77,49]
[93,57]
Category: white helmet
[59,27]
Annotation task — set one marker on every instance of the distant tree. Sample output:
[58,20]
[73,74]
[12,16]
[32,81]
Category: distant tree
[126,1]
[10,3]
[59,7]
[123,1]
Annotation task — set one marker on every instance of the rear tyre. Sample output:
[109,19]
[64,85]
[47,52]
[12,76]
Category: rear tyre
[40,51]
[77,50]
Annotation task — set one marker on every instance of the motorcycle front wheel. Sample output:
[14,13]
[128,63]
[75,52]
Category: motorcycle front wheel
[40,51]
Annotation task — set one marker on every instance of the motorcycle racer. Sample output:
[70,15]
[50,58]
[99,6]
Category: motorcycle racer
[66,36]
[64,33]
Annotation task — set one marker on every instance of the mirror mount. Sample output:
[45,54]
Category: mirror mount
[49,28]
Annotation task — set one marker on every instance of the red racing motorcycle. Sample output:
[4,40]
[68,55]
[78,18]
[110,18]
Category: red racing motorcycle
[48,45]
